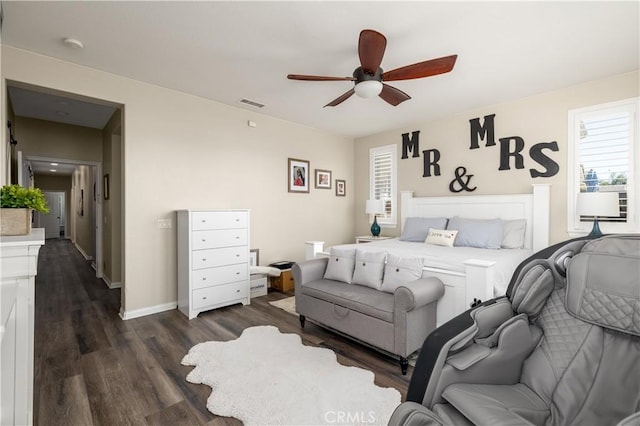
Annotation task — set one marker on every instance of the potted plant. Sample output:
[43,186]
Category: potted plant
[16,205]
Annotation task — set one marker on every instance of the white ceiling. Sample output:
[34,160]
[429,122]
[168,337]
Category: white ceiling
[227,51]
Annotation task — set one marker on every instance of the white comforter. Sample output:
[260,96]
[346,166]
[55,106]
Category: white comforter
[452,258]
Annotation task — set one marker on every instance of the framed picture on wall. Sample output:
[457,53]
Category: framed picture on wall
[323,179]
[298,175]
[341,188]
[105,188]
[254,257]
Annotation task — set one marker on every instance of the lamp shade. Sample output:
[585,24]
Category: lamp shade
[598,204]
[368,88]
[374,207]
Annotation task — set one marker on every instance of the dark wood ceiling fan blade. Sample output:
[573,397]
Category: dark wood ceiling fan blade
[392,95]
[371,48]
[341,98]
[317,78]
[422,69]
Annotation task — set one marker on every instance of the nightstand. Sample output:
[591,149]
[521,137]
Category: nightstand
[370,238]
[284,282]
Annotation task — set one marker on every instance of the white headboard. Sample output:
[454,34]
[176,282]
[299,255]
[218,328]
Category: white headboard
[533,207]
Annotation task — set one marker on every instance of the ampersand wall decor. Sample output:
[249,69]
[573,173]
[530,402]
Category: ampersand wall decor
[462,179]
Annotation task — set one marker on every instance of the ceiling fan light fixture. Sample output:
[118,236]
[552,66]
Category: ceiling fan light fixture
[368,88]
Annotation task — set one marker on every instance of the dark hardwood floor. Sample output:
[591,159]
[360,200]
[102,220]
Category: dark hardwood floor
[92,368]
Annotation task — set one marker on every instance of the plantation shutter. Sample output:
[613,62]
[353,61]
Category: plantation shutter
[383,180]
[604,154]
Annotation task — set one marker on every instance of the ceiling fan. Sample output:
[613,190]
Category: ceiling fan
[369,78]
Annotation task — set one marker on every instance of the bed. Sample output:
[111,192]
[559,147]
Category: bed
[469,274]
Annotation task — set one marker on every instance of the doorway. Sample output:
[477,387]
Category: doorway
[54,221]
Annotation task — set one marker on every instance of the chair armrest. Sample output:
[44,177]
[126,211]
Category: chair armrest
[418,293]
[414,414]
[309,270]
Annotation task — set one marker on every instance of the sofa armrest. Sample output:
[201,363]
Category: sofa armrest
[418,293]
[309,270]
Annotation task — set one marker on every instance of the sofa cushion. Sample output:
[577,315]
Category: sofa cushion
[401,270]
[369,268]
[362,299]
[341,263]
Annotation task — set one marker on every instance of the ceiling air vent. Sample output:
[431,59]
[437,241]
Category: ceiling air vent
[252,103]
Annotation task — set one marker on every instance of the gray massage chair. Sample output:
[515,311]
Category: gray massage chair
[562,348]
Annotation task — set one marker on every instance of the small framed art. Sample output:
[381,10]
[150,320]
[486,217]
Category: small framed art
[323,179]
[341,188]
[298,175]
[254,257]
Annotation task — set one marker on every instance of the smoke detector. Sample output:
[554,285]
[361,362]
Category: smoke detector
[73,43]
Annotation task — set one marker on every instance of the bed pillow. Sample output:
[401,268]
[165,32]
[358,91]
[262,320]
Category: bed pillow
[401,270]
[340,265]
[441,237]
[513,233]
[416,228]
[369,268]
[480,233]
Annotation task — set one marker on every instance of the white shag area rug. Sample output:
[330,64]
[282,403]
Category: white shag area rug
[268,378]
[287,304]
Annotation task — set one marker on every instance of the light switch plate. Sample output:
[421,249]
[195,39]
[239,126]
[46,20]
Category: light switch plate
[164,223]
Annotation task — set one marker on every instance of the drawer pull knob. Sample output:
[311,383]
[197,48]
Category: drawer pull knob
[204,297]
[204,278]
[237,255]
[204,260]
[237,273]
[204,240]
[204,220]
[238,291]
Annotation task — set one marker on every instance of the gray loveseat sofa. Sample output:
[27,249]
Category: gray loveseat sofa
[395,322]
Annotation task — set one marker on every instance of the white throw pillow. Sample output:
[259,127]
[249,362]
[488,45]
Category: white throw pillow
[401,270]
[441,237]
[340,265]
[369,268]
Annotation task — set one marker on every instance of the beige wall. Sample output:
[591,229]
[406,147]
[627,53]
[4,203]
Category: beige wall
[82,214]
[182,151]
[112,208]
[57,140]
[541,118]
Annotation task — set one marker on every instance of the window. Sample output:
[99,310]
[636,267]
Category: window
[603,157]
[382,181]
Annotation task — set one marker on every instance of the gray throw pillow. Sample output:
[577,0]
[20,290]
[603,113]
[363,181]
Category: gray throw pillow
[340,265]
[401,270]
[480,233]
[513,233]
[416,228]
[369,268]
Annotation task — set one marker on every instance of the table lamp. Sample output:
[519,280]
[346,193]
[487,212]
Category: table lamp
[598,204]
[374,207]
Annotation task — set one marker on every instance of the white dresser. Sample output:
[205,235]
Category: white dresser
[213,259]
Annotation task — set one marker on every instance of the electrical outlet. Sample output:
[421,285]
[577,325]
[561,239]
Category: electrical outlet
[164,223]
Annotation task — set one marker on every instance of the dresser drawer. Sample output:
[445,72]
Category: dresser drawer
[220,275]
[219,257]
[219,294]
[219,220]
[218,238]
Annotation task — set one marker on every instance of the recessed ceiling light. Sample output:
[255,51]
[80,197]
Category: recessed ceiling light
[73,43]
[52,170]
[54,164]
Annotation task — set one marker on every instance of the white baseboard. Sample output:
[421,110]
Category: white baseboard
[111,284]
[82,252]
[136,313]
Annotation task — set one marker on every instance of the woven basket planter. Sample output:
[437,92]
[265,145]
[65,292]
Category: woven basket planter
[15,221]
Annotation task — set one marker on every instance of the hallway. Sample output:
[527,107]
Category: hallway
[92,368]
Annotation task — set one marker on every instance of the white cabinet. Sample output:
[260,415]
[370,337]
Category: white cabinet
[18,263]
[213,259]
